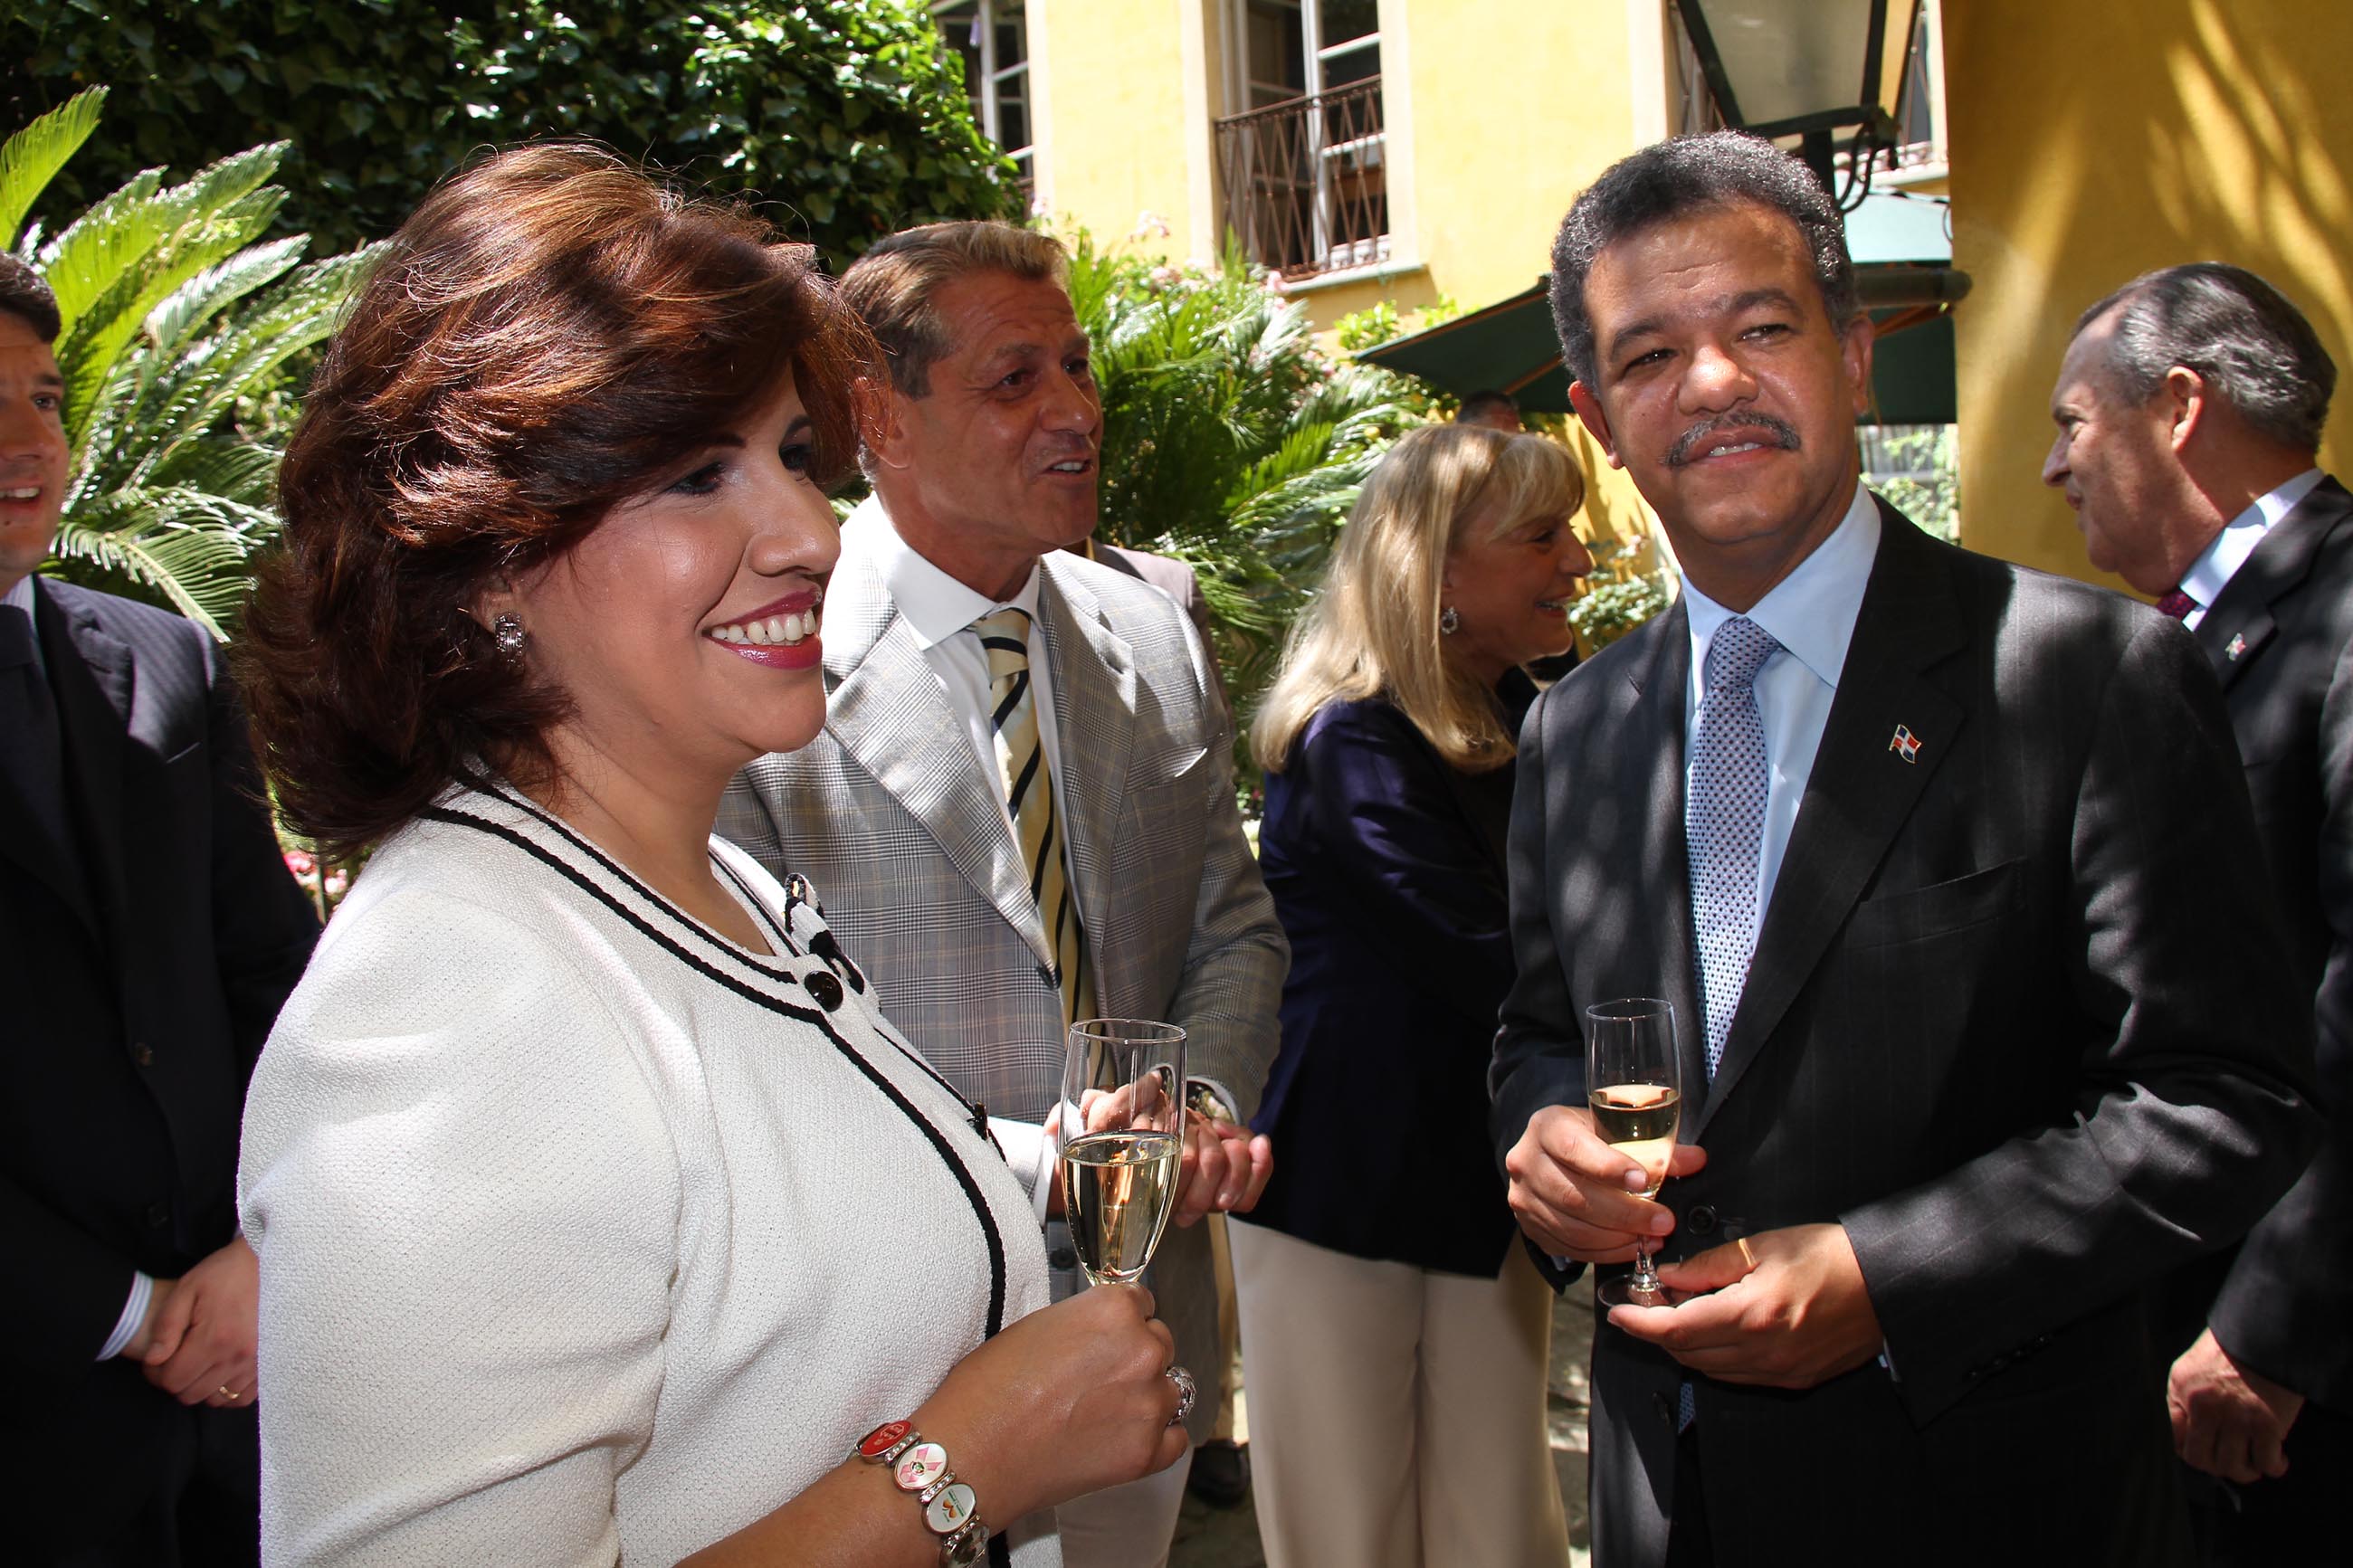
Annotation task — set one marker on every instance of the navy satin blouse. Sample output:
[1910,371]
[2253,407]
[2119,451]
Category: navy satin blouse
[1386,867]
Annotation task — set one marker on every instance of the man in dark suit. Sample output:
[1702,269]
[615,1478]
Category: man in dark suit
[2189,408]
[1948,871]
[152,930]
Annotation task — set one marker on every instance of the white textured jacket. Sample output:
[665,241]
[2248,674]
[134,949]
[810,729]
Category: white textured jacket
[585,1235]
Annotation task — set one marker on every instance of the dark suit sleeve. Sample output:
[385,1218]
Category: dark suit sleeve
[73,1292]
[2285,1306]
[1397,842]
[1539,1051]
[263,926]
[2191,1118]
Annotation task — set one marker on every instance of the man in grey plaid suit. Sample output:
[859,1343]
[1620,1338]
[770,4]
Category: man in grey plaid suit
[898,815]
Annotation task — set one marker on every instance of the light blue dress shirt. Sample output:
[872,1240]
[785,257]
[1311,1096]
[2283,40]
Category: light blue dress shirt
[1810,612]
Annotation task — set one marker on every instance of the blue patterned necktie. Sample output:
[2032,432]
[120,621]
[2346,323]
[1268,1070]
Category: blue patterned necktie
[1723,834]
[1724,821]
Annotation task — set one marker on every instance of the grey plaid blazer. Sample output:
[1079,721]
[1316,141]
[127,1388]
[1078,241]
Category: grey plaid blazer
[889,816]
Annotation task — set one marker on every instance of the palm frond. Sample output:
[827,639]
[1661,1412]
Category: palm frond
[191,391]
[31,158]
[172,313]
[188,544]
[234,471]
[91,343]
[217,286]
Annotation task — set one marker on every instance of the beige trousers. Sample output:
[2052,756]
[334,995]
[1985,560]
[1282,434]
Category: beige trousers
[1397,1415]
[1125,1527]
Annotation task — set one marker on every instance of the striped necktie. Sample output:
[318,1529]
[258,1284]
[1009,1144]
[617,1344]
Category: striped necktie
[1029,798]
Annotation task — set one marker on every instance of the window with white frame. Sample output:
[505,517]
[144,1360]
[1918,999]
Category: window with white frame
[993,36]
[1304,157]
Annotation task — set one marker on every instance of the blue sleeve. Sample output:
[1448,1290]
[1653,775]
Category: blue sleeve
[1395,837]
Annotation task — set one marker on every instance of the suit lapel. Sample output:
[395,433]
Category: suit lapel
[1093,671]
[887,710]
[90,681]
[1860,789]
[1655,772]
[2239,623]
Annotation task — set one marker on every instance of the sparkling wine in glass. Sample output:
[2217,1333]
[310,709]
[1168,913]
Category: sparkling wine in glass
[1123,1140]
[1633,1084]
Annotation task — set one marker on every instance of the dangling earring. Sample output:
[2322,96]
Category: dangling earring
[506,630]
[1449,622]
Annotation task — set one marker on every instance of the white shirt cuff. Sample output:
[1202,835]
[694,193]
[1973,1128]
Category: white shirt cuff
[134,1312]
[1030,1152]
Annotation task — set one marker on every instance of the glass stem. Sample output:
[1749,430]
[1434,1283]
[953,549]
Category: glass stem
[1645,1277]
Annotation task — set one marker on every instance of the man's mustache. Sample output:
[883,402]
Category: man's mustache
[1784,434]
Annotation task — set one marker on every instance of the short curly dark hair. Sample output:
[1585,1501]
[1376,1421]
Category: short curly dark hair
[1671,179]
[26,295]
[546,336]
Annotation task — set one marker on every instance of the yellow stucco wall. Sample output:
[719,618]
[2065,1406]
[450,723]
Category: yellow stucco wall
[2093,141]
[1112,121]
[1516,109]
[1499,113]
[1508,109]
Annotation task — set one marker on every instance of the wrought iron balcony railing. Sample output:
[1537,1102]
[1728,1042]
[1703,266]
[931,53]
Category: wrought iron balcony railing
[1306,181]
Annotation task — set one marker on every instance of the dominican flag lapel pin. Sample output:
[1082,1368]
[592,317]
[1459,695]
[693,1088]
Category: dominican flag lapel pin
[2236,647]
[1905,744]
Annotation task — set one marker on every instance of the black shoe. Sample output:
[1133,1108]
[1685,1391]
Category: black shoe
[1220,1475]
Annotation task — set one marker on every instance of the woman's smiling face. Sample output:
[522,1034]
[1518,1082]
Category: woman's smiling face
[684,627]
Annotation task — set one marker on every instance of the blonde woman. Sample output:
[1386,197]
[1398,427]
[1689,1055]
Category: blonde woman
[1395,1333]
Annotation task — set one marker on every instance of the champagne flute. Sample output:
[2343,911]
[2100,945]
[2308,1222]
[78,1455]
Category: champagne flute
[1122,1132]
[1633,1083]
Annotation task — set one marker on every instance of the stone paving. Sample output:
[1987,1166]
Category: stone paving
[1228,1538]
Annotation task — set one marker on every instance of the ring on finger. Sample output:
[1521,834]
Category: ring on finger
[1745,1253]
[1184,1392]
[228,1392]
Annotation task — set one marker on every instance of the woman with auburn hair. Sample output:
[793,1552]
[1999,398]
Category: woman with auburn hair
[1394,1334]
[601,1216]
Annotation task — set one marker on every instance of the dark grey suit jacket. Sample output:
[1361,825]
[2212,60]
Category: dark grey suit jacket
[2017,1018]
[2279,635]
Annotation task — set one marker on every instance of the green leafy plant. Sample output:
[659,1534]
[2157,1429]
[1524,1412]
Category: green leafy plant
[1229,441]
[1918,469]
[1368,327]
[1618,594]
[1379,323]
[172,317]
[849,117]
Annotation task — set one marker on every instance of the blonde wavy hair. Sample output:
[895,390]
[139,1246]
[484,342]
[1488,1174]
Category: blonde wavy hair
[1373,630]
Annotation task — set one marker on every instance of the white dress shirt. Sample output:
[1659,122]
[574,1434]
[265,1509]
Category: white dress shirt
[20,598]
[2229,549]
[941,611]
[1810,612]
